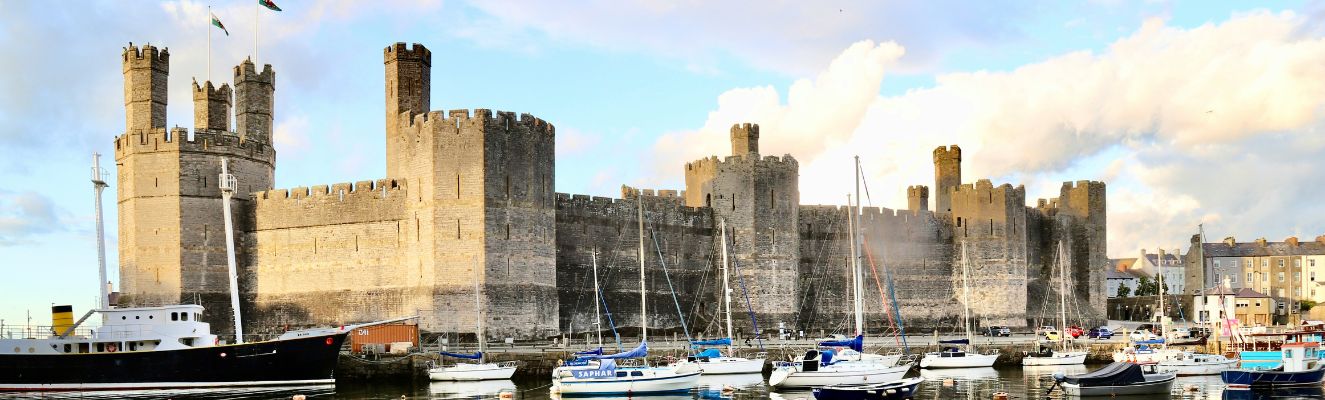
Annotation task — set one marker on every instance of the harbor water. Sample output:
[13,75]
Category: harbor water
[970,383]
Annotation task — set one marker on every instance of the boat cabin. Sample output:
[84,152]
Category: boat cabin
[122,329]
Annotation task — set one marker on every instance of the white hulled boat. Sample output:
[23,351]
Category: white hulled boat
[712,361]
[1063,355]
[600,375]
[846,364]
[480,370]
[960,357]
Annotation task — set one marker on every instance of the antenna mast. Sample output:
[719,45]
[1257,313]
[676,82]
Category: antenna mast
[227,184]
[99,184]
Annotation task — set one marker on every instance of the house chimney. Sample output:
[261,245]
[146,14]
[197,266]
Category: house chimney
[1260,241]
[1230,241]
[1292,240]
[1161,257]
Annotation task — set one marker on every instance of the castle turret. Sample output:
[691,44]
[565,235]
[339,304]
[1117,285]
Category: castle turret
[759,198]
[917,198]
[408,71]
[745,139]
[254,96]
[145,73]
[211,107]
[947,176]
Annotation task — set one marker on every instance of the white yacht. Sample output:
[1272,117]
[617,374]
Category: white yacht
[479,369]
[960,357]
[1062,355]
[712,361]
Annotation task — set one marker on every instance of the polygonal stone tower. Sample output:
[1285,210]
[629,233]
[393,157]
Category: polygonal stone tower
[760,200]
[211,107]
[917,198]
[408,82]
[254,99]
[172,240]
[947,176]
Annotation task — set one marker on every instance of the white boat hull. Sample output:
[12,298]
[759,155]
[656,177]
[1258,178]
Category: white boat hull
[471,372]
[1154,384]
[1191,368]
[969,360]
[1058,358]
[654,380]
[845,372]
[730,365]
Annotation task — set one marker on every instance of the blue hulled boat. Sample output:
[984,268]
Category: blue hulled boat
[1300,367]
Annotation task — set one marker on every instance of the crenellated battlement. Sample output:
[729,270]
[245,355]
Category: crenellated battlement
[582,202]
[209,92]
[246,71]
[177,139]
[948,153]
[745,139]
[413,52]
[984,186]
[381,188]
[453,120]
[147,56]
[628,192]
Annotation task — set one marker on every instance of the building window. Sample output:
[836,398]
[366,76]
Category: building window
[1297,292]
[1312,275]
[1281,277]
[1249,263]
[1281,263]
[1233,278]
[1216,263]
[1311,263]
[1265,263]
[1249,277]
[1265,277]
[1297,276]
[1297,262]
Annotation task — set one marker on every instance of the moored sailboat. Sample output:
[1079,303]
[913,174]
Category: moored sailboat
[960,357]
[1062,355]
[479,370]
[712,361]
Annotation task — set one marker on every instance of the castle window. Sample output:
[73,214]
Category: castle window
[508,231]
[156,182]
[733,201]
[708,200]
[457,228]
[991,226]
[457,187]
[772,201]
[508,189]
[959,222]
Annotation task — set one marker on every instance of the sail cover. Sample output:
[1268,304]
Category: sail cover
[638,352]
[709,353]
[606,369]
[857,344]
[594,352]
[714,342]
[1116,374]
[955,341]
[466,356]
[1152,341]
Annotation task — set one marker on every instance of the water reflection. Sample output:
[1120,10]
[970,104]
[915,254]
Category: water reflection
[309,391]
[1278,394]
[469,390]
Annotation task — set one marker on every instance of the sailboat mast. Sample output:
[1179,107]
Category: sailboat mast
[1159,272]
[643,295]
[478,312]
[1062,298]
[726,286]
[855,269]
[598,315]
[966,299]
[99,184]
[228,189]
[855,258]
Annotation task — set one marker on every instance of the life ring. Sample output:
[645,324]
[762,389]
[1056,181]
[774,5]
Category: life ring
[111,348]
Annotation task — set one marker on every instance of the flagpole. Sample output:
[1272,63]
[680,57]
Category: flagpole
[209,43]
[256,32]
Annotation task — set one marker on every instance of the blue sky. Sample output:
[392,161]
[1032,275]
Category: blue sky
[1193,112]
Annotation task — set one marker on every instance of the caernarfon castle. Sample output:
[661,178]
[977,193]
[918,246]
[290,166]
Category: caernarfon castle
[468,202]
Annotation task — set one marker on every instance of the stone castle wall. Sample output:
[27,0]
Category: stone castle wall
[469,209]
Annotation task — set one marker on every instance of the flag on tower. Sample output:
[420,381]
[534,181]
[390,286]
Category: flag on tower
[271,5]
[217,22]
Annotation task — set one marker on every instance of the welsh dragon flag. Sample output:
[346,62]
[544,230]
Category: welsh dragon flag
[217,23]
[271,5]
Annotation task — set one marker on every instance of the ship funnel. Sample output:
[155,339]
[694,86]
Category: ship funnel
[62,318]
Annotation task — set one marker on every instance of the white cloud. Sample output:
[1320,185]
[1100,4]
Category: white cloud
[1219,105]
[27,214]
[290,136]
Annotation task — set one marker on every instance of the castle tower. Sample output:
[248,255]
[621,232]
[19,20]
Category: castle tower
[745,139]
[947,176]
[145,73]
[760,200]
[211,107]
[254,98]
[408,81]
[172,240]
[1082,205]
[917,198]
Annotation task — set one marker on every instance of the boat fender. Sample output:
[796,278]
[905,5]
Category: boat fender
[111,348]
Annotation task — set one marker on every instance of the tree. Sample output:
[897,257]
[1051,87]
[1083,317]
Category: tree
[1145,287]
[1306,305]
[1124,291]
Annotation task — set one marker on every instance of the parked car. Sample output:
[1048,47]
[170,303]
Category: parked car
[1100,333]
[1074,331]
[1050,335]
[1140,334]
[1180,333]
[996,331]
[1041,330]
